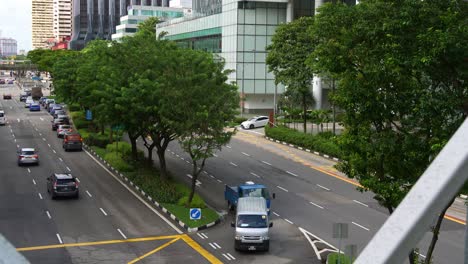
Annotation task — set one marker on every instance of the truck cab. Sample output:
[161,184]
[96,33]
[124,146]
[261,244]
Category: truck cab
[252,224]
[249,189]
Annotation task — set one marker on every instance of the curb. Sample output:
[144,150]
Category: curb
[304,149]
[149,198]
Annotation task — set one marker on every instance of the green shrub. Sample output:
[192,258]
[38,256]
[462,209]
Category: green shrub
[121,147]
[323,142]
[197,202]
[74,107]
[343,259]
[117,162]
[96,139]
[77,115]
[239,120]
[81,123]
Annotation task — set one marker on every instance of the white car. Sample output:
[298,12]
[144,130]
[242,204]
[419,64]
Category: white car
[256,121]
[28,102]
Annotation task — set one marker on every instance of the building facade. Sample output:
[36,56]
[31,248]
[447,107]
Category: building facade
[62,19]
[8,47]
[42,22]
[97,19]
[137,14]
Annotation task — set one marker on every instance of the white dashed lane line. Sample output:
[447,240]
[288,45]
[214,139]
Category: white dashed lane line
[279,187]
[103,212]
[255,175]
[228,146]
[40,196]
[220,181]
[213,246]
[43,139]
[289,221]
[216,245]
[363,227]
[68,169]
[248,155]
[48,145]
[198,234]
[29,171]
[293,174]
[230,256]
[34,182]
[204,235]
[227,257]
[17,146]
[54,151]
[59,239]
[18,120]
[61,159]
[78,180]
[215,155]
[42,119]
[48,214]
[233,164]
[314,204]
[361,203]
[266,162]
[325,188]
[89,194]
[120,231]
[275,213]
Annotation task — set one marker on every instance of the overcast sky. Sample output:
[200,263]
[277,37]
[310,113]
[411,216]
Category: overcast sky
[15,22]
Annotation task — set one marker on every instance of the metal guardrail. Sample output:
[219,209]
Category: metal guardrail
[416,213]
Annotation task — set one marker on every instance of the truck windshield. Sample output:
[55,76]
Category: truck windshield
[252,221]
[256,192]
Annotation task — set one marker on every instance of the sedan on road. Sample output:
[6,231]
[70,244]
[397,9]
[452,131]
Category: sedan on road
[28,102]
[10,82]
[60,120]
[62,184]
[27,156]
[2,81]
[35,107]
[257,121]
[63,129]
[7,96]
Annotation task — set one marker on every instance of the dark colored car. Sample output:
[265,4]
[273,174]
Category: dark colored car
[23,96]
[59,112]
[2,81]
[72,141]
[55,108]
[7,96]
[62,184]
[34,107]
[60,120]
[42,100]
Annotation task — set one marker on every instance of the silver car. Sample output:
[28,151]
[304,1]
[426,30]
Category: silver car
[28,156]
[63,129]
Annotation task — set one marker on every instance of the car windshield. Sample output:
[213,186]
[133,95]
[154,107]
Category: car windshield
[65,181]
[1,114]
[252,221]
[251,119]
[27,152]
[256,192]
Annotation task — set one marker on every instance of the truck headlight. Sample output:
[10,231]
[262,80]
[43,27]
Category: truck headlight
[265,238]
[238,237]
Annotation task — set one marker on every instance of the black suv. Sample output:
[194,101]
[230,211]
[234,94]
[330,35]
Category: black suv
[62,184]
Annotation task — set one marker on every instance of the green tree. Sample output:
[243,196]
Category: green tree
[400,68]
[287,56]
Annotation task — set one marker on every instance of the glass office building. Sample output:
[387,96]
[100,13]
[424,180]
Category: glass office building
[240,31]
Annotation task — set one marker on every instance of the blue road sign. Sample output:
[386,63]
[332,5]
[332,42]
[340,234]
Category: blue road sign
[195,213]
[89,115]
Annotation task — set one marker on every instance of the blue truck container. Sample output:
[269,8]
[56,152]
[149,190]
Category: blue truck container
[249,189]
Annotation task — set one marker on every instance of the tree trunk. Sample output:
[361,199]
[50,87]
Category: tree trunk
[111,136]
[150,153]
[304,107]
[435,232]
[194,184]
[333,108]
[133,139]
[162,162]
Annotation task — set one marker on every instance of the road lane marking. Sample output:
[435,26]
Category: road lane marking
[134,194]
[34,182]
[233,164]
[153,251]
[314,204]
[36,129]
[177,155]
[276,214]
[120,231]
[325,188]
[42,119]
[48,214]
[363,227]
[89,194]
[48,145]
[282,188]
[212,176]
[220,181]
[14,140]
[40,196]
[205,172]
[43,139]
[29,171]
[248,155]
[420,254]
[216,244]
[182,158]
[255,175]
[105,242]
[17,146]
[204,235]
[213,246]
[200,236]
[18,120]
[207,255]
[230,256]
[104,212]
[361,203]
[68,169]
[40,134]
[215,155]
[59,238]
[266,162]
[293,174]
[78,180]
[54,151]
[227,257]
[61,159]
[227,146]
[288,221]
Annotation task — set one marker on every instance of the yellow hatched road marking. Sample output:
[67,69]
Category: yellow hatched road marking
[154,251]
[208,256]
[105,242]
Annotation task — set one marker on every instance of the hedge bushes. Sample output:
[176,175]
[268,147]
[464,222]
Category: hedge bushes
[323,142]
[117,161]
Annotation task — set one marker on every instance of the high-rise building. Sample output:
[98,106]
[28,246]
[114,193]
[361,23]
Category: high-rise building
[62,19]
[8,47]
[42,22]
[97,19]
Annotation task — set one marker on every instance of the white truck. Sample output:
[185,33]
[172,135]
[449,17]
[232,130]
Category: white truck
[252,224]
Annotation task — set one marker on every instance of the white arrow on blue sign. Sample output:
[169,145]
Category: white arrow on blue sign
[195,213]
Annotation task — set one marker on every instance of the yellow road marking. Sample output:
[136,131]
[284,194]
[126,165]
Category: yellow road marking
[305,163]
[105,242]
[154,251]
[208,256]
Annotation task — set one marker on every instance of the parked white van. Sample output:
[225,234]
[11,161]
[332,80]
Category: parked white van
[2,118]
[252,224]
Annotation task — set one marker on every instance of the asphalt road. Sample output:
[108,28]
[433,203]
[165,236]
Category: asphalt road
[311,196]
[109,222]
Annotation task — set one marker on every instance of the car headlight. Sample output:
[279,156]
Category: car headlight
[265,238]
[238,237]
